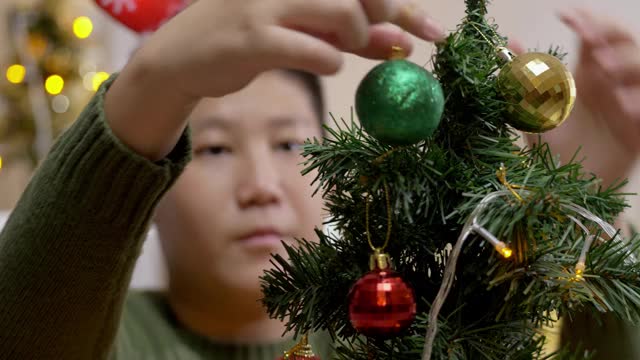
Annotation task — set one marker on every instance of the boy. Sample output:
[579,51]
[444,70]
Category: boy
[67,252]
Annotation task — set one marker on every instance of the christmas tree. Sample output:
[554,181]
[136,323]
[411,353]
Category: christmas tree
[488,241]
[45,81]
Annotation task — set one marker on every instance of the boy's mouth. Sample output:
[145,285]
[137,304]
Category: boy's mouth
[268,237]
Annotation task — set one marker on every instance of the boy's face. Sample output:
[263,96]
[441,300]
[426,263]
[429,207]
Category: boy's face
[243,191]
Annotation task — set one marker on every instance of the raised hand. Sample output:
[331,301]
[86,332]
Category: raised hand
[606,120]
[215,47]
[608,74]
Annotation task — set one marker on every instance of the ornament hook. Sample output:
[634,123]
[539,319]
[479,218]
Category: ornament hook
[389,224]
[501,174]
[501,48]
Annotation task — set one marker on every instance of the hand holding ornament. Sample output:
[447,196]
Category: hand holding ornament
[215,47]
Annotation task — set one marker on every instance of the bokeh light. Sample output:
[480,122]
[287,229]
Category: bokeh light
[82,27]
[60,104]
[98,79]
[54,84]
[16,73]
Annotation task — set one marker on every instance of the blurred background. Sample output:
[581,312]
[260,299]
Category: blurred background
[55,53]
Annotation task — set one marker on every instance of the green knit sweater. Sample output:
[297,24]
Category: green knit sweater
[68,250]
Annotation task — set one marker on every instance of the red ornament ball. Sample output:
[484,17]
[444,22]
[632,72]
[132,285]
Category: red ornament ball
[142,16]
[381,304]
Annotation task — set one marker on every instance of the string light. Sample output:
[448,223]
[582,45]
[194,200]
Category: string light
[16,73]
[504,250]
[500,246]
[82,27]
[471,225]
[580,266]
[54,84]
[98,79]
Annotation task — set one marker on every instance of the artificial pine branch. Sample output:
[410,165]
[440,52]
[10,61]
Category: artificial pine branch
[495,305]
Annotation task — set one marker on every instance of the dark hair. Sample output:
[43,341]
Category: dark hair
[314,88]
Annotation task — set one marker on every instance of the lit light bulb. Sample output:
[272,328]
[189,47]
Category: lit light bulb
[82,27]
[54,84]
[504,250]
[16,73]
[98,79]
[580,266]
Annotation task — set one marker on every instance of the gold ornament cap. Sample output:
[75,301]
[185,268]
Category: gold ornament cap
[301,350]
[379,260]
[505,54]
[397,53]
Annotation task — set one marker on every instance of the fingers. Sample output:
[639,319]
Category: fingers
[595,30]
[412,18]
[283,48]
[349,20]
[610,45]
[516,46]
[343,20]
[378,11]
[627,99]
[621,62]
[629,131]
[360,26]
[382,38]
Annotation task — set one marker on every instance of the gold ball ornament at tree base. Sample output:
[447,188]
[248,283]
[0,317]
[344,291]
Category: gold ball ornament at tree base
[539,90]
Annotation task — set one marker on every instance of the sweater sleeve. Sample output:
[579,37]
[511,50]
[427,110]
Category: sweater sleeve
[68,249]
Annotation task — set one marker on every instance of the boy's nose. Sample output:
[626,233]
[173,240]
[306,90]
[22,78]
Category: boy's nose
[259,183]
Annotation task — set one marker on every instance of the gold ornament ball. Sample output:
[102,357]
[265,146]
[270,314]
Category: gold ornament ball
[539,90]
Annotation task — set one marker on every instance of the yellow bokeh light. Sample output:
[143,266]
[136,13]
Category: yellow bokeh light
[16,73]
[82,27]
[54,84]
[98,79]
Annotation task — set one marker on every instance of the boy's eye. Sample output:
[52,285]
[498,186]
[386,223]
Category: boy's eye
[290,146]
[214,150]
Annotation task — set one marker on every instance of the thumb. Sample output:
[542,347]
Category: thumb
[516,46]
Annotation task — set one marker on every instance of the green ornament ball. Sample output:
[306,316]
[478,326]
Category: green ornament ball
[399,103]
